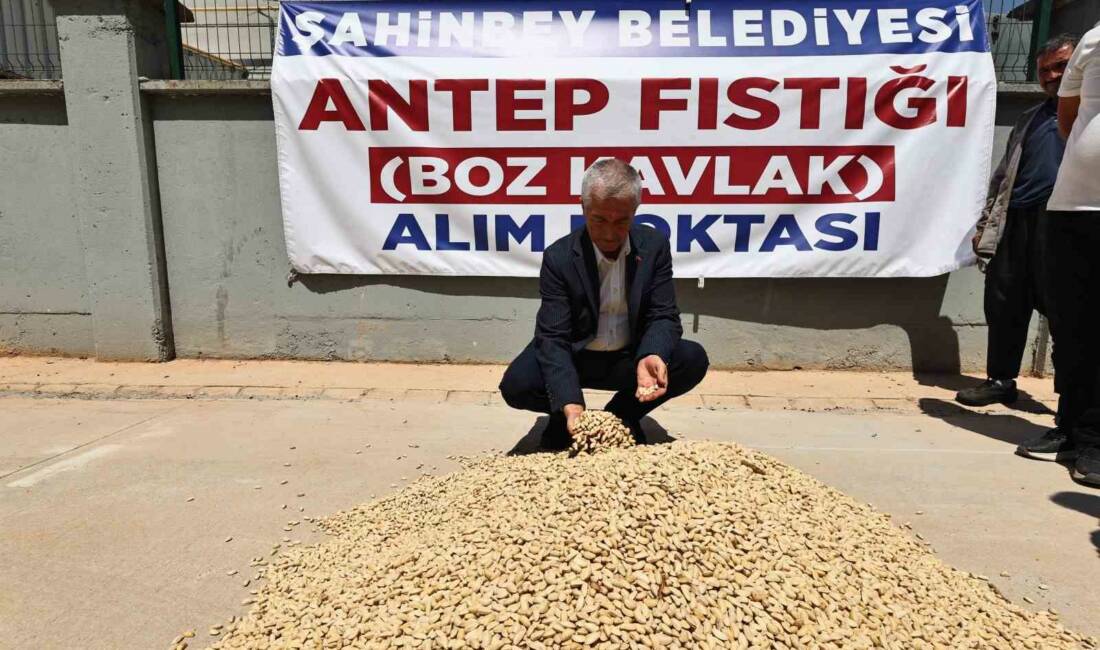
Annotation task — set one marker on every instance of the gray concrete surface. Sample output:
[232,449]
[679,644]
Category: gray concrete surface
[109,552]
[44,303]
[105,46]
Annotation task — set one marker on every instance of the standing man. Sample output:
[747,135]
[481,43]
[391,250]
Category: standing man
[1074,270]
[1008,241]
[608,318]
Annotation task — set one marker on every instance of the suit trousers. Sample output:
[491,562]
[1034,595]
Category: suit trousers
[523,387]
[1013,289]
[1073,258]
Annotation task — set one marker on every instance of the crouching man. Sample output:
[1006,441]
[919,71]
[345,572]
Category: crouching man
[608,318]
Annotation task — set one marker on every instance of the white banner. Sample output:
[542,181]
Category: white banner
[774,139]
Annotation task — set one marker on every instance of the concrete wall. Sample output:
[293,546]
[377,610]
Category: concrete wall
[44,304]
[106,47]
[215,201]
[227,263]
[227,272]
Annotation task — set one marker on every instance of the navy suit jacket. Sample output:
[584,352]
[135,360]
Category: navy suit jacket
[570,312]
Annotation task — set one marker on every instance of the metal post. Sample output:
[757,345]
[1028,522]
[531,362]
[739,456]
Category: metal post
[174,39]
[1040,32]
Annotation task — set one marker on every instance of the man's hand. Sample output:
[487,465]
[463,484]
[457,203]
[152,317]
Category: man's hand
[573,413]
[652,378]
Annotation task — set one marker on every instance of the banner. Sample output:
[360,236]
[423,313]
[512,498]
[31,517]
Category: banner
[774,139]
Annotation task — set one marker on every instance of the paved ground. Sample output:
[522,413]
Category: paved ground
[117,502]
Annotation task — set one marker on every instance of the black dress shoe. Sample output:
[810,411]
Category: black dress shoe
[1054,445]
[635,425]
[555,437]
[1087,467]
[990,391]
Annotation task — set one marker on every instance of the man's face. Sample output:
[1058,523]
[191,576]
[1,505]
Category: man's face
[1051,66]
[608,221]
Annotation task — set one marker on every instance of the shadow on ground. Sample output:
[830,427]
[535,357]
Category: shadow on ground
[1010,429]
[956,382]
[655,434]
[1088,504]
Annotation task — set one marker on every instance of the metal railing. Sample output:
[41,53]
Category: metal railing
[229,39]
[1016,29]
[28,40]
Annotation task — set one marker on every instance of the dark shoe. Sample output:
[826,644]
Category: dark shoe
[634,424]
[1053,445]
[555,437]
[1087,467]
[990,391]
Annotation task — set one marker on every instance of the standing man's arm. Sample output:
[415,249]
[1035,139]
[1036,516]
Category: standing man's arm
[1069,93]
[1067,113]
[662,328]
[553,346]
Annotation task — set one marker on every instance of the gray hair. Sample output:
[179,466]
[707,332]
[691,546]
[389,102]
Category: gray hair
[611,177]
[1057,43]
